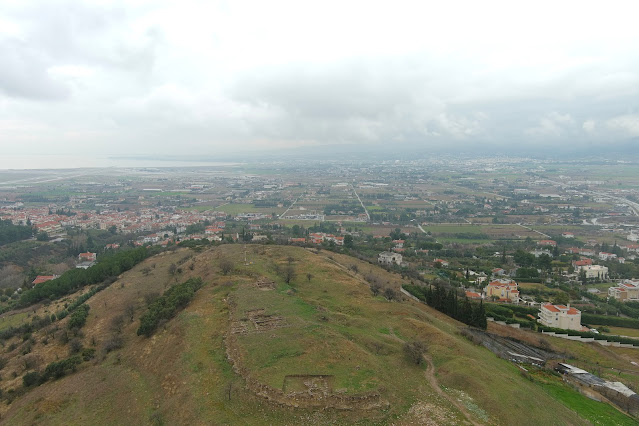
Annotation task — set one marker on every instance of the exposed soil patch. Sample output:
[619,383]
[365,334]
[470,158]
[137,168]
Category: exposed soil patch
[257,321]
[264,284]
[313,384]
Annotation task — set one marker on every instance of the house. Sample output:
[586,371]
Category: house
[388,258]
[297,240]
[539,252]
[502,290]
[568,235]
[44,278]
[550,243]
[399,243]
[442,262]
[87,257]
[560,316]
[627,290]
[593,271]
[473,295]
[113,246]
[586,252]
[498,271]
[606,256]
[581,262]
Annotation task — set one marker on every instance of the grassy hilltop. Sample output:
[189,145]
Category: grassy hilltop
[251,348]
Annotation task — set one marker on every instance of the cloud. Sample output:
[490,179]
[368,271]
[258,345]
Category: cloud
[589,126]
[141,75]
[628,124]
[23,73]
[552,125]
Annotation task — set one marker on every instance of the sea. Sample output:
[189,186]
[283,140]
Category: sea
[31,162]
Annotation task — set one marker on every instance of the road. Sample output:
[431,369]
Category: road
[360,201]
[289,207]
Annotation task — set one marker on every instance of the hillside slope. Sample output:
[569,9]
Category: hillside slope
[252,349]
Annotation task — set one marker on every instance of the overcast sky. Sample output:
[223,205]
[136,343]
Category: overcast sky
[202,77]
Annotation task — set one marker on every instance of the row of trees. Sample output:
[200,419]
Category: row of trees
[166,306]
[74,279]
[447,302]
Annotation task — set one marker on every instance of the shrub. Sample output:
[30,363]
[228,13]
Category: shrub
[31,378]
[79,317]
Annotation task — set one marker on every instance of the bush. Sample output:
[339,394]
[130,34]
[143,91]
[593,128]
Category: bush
[31,378]
[79,317]
[58,369]
[112,344]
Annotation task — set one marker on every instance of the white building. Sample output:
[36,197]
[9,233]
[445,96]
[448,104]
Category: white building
[627,290]
[388,258]
[594,271]
[560,316]
[607,256]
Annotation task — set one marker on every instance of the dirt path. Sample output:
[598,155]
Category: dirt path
[432,380]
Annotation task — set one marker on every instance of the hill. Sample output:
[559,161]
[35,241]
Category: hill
[292,336]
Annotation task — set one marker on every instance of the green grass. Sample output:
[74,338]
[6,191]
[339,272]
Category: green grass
[13,320]
[599,413]
[248,208]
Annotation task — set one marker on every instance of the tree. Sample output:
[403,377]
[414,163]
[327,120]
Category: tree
[226,266]
[309,276]
[415,351]
[390,293]
[172,269]
[42,236]
[117,322]
[289,274]
[348,241]
[561,298]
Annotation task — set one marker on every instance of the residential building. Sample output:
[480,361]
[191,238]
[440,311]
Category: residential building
[44,278]
[593,271]
[502,290]
[388,258]
[87,257]
[560,316]
[627,290]
[581,262]
[606,256]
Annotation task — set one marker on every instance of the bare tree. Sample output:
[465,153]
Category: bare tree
[129,310]
[172,269]
[390,293]
[226,266]
[309,276]
[376,288]
[415,351]
[117,322]
[289,274]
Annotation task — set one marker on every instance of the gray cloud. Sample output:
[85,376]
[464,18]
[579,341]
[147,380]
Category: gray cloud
[143,76]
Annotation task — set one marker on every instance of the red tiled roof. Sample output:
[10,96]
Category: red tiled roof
[43,278]
[551,308]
